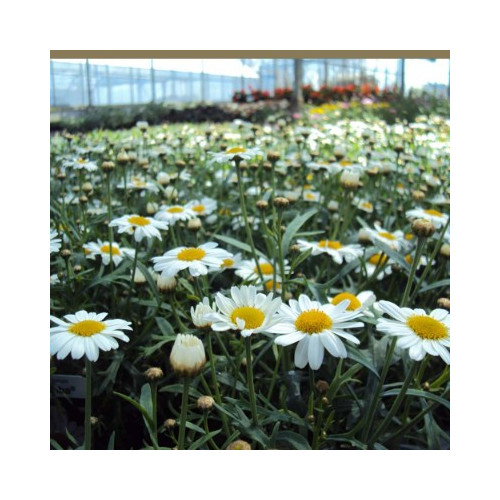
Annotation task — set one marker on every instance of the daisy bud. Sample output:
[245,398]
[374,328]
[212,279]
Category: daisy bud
[151,208]
[170,192]
[194,224]
[310,418]
[349,179]
[107,166]
[94,420]
[295,248]
[153,373]
[199,312]
[87,187]
[445,250]
[254,166]
[83,199]
[65,254]
[399,148]
[61,176]
[322,386]
[205,403]
[77,268]
[243,165]
[262,204]
[239,444]
[76,189]
[139,277]
[281,202]
[180,164]
[122,157]
[188,355]
[423,228]
[443,303]
[418,195]
[273,156]
[325,401]
[267,165]
[364,236]
[166,284]
[169,423]
[132,156]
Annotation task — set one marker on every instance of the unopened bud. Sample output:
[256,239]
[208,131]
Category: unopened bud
[423,228]
[153,373]
[205,403]
[443,303]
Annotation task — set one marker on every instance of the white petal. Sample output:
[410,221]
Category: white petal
[289,338]
[300,358]
[315,352]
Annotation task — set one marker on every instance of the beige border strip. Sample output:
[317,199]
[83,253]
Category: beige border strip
[250,54]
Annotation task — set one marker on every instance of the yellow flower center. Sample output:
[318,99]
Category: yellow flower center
[409,258]
[310,177]
[139,183]
[386,235]
[86,251]
[354,301]
[310,196]
[409,236]
[433,212]
[191,253]
[367,205]
[137,220]
[313,321]
[227,263]
[81,161]
[427,328]
[265,268]
[269,285]
[236,150]
[377,258]
[334,245]
[345,163]
[87,328]
[175,210]
[252,316]
[114,250]
[199,208]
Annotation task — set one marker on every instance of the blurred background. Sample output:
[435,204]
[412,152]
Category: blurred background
[77,83]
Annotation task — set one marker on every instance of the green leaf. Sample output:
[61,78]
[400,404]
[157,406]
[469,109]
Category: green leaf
[436,284]
[135,404]
[111,442]
[150,280]
[56,445]
[146,400]
[204,439]
[293,228]
[179,388]
[165,327]
[362,357]
[195,427]
[297,441]
[395,256]
[238,244]
[419,394]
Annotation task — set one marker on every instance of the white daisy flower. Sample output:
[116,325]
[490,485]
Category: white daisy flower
[196,259]
[335,249]
[80,164]
[248,271]
[54,279]
[394,240]
[364,205]
[85,333]
[198,313]
[93,249]
[140,227]
[309,195]
[315,327]
[205,206]
[418,331]
[437,218]
[188,355]
[232,262]
[377,260]
[174,213]
[236,152]
[139,184]
[360,302]
[246,310]
[55,243]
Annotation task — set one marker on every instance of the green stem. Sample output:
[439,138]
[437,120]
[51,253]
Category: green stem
[395,406]
[182,423]
[110,229]
[251,389]
[215,383]
[88,404]
[154,400]
[414,265]
[247,225]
